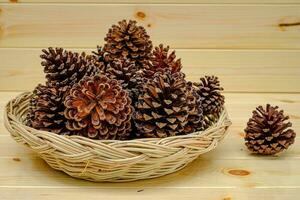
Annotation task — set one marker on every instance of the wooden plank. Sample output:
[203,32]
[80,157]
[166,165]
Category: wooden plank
[184,26]
[208,173]
[239,70]
[149,193]
[158,1]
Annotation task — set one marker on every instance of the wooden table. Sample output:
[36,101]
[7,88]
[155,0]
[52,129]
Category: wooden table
[252,45]
[228,172]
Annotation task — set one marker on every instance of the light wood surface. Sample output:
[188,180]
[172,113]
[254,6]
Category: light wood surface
[229,172]
[151,193]
[239,70]
[182,26]
[252,45]
[158,1]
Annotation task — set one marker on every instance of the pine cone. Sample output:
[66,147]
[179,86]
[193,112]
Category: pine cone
[122,70]
[209,90]
[65,68]
[98,108]
[161,62]
[267,132]
[127,40]
[162,109]
[101,56]
[195,117]
[161,59]
[46,110]
[146,72]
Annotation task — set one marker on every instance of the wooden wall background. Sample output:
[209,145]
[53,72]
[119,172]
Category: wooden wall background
[252,45]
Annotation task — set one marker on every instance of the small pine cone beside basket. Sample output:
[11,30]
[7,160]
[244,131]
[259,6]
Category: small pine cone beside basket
[267,132]
[128,40]
[97,107]
[46,110]
[162,109]
[65,68]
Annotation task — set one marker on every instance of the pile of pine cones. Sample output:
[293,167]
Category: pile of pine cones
[125,90]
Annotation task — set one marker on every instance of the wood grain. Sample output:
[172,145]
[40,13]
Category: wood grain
[239,70]
[184,26]
[158,1]
[149,193]
[210,173]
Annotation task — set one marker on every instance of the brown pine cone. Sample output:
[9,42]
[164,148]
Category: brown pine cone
[161,59]
[162,109]
[145,73]
[209,90]
[135,85]
[46,110]
[98,108]
[267,132]
[195,117]
[101,56]
[127,40]
[159,62]
[65,68]
[122,70]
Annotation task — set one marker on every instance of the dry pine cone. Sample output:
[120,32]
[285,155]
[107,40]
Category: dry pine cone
[65,68]
[46,110]
[101,56]
[122,70]
[195,117]
[161,59]
[98,108]
[209,90]
[267,132]
[212,100]
[127,40]
[162,109]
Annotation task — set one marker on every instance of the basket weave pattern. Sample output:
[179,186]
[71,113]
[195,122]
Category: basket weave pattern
[111,160]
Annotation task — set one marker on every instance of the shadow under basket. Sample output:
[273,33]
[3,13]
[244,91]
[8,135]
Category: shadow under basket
[112,160]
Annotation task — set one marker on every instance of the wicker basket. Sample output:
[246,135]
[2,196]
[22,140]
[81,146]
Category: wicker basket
[111,160]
